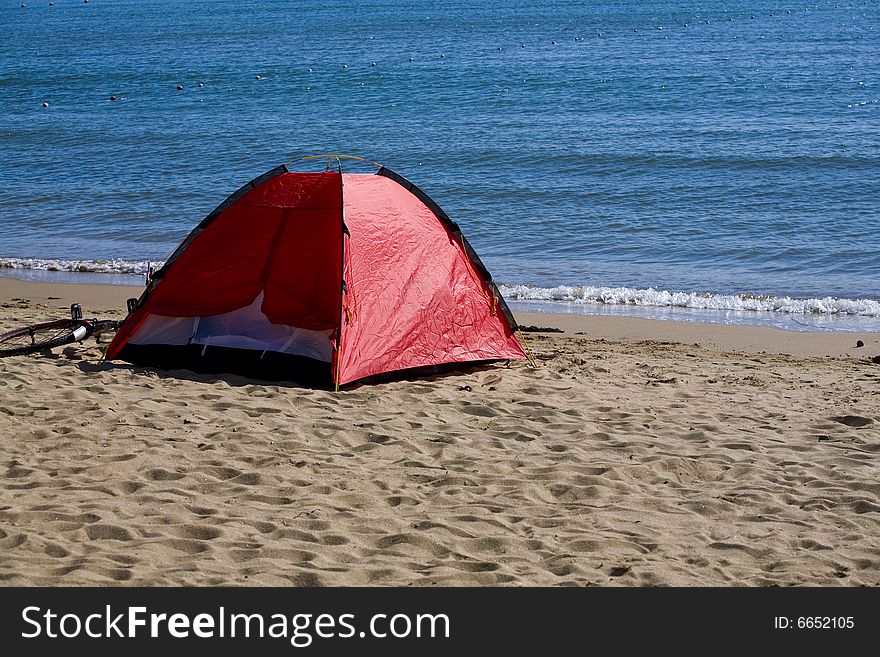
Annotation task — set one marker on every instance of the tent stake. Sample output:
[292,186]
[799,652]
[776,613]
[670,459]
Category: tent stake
[529,353]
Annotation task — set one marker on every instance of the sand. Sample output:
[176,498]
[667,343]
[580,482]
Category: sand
[639,453]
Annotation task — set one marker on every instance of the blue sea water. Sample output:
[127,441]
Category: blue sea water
[722,157]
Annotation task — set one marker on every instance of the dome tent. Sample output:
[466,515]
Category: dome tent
[329,277]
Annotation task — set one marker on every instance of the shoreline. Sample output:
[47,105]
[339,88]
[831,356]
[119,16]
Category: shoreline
[103,298]
[804,314]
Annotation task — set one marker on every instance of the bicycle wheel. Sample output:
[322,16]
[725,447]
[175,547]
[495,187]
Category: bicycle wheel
[35,338]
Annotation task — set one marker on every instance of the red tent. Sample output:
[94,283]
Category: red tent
[331,275]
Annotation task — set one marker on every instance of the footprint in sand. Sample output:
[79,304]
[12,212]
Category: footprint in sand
[16,472]
[129,487]
[108,532]
[334,539]
[54,550]
[856,421]
[479,411]
[562,569]
[221,472]
[116,574]
[9,542]
[306,580]
[474,566]
[197,532]
[397,500]
[189,546]
[159,474]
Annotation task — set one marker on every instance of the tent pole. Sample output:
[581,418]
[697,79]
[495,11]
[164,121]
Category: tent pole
[341,276]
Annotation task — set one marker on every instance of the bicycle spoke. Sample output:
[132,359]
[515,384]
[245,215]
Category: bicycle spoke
[31,337]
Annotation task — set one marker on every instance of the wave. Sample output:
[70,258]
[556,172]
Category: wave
[115,266]
[651,297]
[586,295]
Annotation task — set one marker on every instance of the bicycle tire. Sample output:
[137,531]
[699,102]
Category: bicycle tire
[34,338]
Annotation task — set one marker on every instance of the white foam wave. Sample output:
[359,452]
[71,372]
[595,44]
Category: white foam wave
[587,295]
[116,266]
[696,300]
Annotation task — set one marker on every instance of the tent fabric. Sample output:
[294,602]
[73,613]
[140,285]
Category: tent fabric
[413,295]
[284,238]
[361,272]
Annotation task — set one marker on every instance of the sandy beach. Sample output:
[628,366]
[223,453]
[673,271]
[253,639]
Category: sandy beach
[639,453]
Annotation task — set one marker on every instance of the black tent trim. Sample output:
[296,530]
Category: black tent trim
[456,231]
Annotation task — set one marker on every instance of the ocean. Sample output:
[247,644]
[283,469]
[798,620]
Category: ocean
[656,158]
